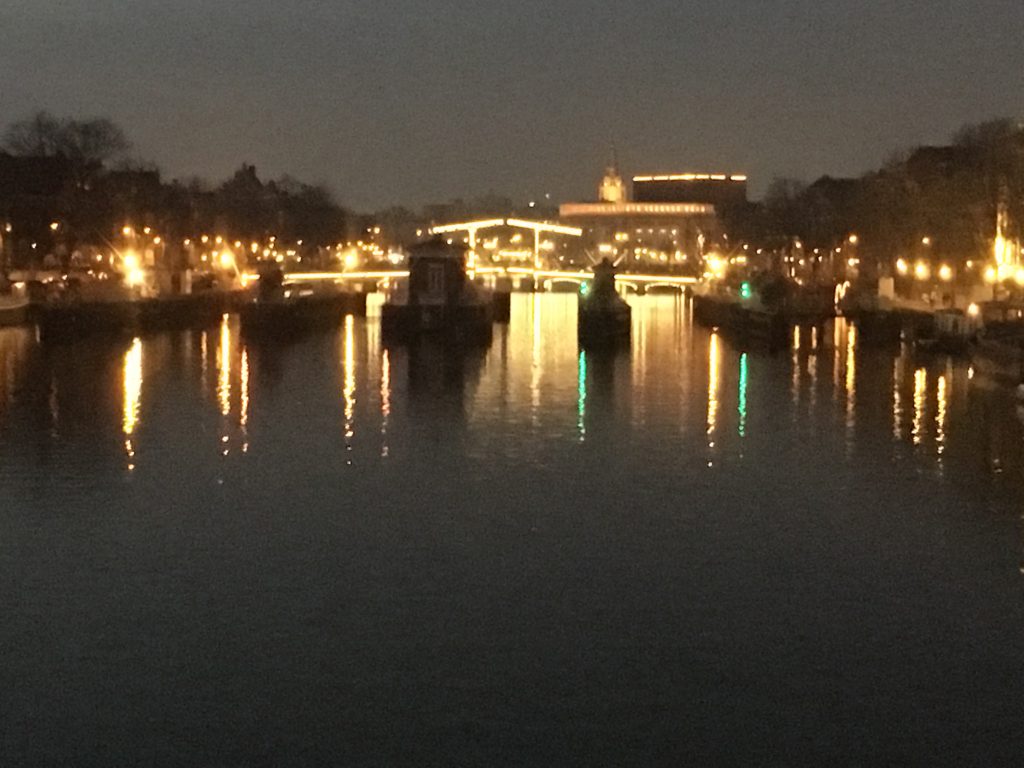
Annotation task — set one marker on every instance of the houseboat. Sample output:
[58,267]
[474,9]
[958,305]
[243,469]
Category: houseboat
[279,308]
[438,297]
[750,311]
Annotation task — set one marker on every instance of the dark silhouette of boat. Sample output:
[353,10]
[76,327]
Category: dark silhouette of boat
[281,309]
[603,318]
[438,298]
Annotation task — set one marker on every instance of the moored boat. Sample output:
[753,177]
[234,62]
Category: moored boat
[603,318]
[438,297]
[279,309]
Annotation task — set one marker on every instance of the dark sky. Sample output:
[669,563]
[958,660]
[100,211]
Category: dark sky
[419,100]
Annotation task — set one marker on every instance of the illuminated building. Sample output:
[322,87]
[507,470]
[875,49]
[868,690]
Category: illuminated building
[717,189]
[668,227]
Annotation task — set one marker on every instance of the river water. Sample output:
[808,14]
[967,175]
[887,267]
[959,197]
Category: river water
[329,553]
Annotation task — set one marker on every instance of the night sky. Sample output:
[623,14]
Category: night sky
[411,101]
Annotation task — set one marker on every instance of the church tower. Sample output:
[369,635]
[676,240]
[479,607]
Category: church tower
[613,189]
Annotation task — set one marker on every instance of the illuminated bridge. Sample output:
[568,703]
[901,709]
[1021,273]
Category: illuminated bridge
[538,227]
[542,278]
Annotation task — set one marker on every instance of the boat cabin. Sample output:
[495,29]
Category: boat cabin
[437,273]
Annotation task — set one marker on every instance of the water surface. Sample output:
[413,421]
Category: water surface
[329,552]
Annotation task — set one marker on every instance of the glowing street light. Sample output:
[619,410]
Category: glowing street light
[945,273]
[921,271]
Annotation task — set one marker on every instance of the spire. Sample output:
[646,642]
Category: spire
[613,189]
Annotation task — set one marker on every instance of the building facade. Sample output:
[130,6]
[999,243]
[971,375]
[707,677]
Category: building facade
[670,223]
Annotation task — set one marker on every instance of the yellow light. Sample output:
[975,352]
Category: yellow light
[255,247]
[921,271]
[146,230]
[126,231]
[974,310]
[218,240]
[136,277]
[238,243]
[351,259]
[853,239]
[716,266]
[188,241]
[131,261]
[1019,276]
[926,241]
[205,239]
[227,260]
[606,248]
[902,267]
[945,273]
[54,225]
[991,275]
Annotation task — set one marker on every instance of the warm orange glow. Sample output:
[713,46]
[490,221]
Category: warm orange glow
[224,368]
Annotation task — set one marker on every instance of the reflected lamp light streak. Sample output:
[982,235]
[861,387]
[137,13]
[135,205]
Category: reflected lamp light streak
[713,382]
[741,407]
[224,367]
[349,392]
[132,397]
[385,402]
[941,416]
[243,407]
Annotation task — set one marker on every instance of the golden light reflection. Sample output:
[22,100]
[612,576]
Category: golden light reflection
[920,394]
[385,402]
[243,412]
[714,381]
[941,417]
[224,367]
[132,398]
[851,374]
[349,392]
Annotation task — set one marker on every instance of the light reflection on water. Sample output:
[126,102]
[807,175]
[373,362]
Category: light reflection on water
[132,397]
[629,519]
[537,374]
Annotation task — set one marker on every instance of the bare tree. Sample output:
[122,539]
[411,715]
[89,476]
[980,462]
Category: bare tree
[81,141]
